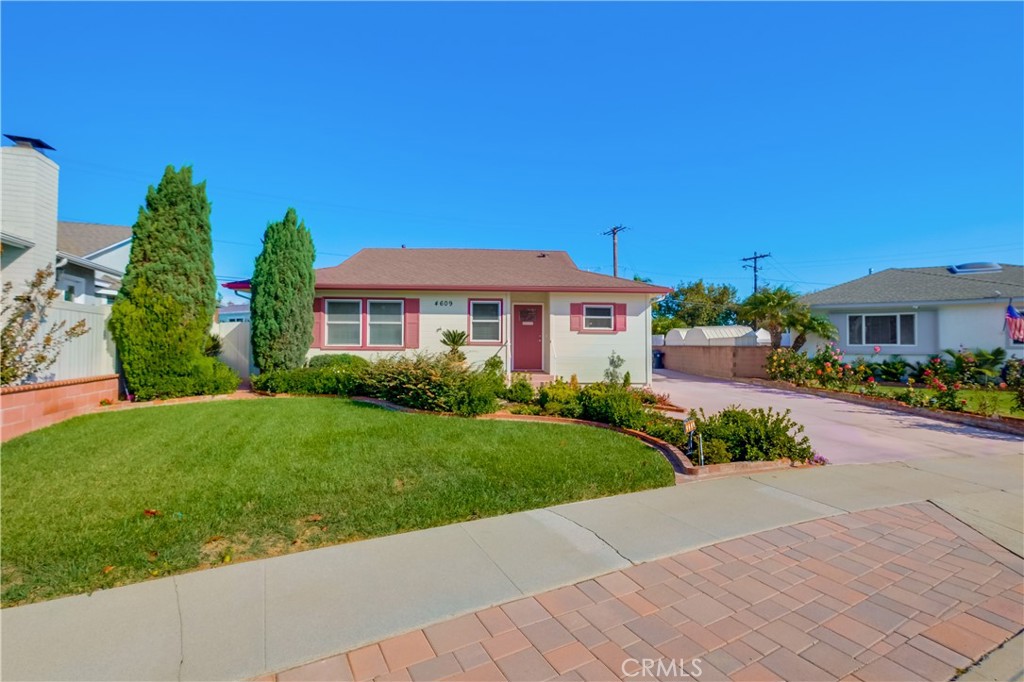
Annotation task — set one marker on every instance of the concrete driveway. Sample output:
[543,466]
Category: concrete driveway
[843,432]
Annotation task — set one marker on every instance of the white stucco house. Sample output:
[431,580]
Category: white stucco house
[88,259]
[917,312]
[535,310]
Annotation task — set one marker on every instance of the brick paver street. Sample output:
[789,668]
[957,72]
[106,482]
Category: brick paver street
[898,593]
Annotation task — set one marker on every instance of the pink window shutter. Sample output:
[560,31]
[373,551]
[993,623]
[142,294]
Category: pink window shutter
[412,323]
[318,323]
[575,317]
[620,317]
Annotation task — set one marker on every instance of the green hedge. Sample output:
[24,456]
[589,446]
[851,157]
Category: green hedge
[435,383]
[308,381]
[338,360]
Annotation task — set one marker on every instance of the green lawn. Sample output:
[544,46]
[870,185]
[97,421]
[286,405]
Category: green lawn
[1003,399]
[247,479]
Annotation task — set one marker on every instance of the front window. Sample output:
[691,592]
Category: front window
[891,330]
[384,321]
[485,321]
[344,323]
[598,317]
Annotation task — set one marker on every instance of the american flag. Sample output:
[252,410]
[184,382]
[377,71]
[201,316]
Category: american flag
[1014,323]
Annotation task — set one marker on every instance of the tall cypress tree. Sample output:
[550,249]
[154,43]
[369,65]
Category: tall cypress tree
[282,295]
[165,307]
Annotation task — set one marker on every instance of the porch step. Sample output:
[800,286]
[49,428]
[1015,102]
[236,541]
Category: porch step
[538,378]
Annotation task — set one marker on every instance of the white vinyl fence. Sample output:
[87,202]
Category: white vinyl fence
[89,355]
[234,338]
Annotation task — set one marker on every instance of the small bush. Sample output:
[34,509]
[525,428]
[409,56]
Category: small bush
[323,380]
[892,369]
[568,410]
[610,403]
[525,409]
[912,397]
[475,393]
[213,377]
[520,390]
[338,360]
[783,364]
[715,452]
[755,435]
[627,380]
[666,429]
[436,383]
[1013,374]
[615,363]
[558,391]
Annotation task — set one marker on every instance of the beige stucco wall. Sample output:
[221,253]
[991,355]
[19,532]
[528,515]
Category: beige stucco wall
[436,315]
[565,352]
[28,209]
[586,355]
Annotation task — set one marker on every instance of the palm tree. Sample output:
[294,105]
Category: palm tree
[802,322]
[769,309]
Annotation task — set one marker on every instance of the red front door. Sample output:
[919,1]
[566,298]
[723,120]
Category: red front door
[528,338]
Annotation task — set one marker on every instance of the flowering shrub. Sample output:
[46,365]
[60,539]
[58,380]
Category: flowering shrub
[830,368]
[783,364]
[1014,375]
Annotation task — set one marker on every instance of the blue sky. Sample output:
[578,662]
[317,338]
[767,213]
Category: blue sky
[837,136]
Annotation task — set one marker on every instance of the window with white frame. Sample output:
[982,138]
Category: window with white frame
[344,323]
[599,317]
[385,322]
[897,329]
[485,321]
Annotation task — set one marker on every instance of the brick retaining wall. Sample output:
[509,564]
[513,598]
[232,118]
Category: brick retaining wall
[31,407]
[723,362]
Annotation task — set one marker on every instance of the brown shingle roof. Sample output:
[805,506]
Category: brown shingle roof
[468,270]
[83,239]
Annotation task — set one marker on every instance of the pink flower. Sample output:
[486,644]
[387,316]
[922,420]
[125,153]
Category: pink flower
[878,349]
[1002,385]
[871,380]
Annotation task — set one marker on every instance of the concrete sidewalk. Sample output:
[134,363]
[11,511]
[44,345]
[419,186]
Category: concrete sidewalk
[240,621]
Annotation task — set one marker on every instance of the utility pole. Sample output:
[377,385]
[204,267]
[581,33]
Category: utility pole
[614,232]
[756,257]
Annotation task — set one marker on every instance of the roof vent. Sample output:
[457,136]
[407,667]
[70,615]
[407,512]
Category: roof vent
[975,268]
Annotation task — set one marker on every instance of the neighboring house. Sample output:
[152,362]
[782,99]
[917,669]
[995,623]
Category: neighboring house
[88,259]
[91,260]
[233,312]
[535,310]
[917,312]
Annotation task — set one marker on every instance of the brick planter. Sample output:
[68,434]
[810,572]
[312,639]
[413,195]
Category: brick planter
[1002,424]
[31,407]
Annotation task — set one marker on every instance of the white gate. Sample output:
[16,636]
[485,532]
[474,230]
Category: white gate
[235,353]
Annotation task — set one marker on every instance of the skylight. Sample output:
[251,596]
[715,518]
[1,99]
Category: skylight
[975,268]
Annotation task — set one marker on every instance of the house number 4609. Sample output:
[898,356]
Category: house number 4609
[444,304]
